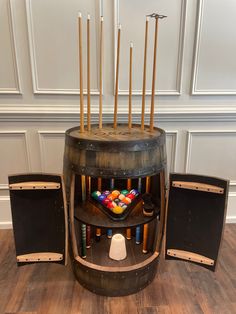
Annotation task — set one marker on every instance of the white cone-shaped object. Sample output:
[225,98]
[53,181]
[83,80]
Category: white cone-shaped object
[118,247]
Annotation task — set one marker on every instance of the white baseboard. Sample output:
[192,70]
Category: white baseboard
[5,225]
[231,219]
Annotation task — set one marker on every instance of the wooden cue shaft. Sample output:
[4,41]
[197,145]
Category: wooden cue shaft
[147,184]
[83,226]
[145,236]
[128,230]
[83,188]
[130,85]
[144,74]
[99,184]
[88,185]
[98,230]
[153,77]
[145,226]
[88,76]
[101,74]
[81,74]
[117,77]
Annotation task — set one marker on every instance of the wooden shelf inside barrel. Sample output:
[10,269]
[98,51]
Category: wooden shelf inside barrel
[89,214]
[99,253]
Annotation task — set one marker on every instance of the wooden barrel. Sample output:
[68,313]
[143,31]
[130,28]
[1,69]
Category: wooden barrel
[119,153]
[115,281]
[115,153]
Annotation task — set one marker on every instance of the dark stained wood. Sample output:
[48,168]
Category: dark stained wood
[99,253]
[196,217]
[115,153]
[119,153]
[90,214]
[39,217]
[179,287]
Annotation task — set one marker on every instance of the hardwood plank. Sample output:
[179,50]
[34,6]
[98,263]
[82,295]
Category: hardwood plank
[179,287]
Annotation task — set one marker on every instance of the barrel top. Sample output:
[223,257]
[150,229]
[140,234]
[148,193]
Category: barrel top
[121,134]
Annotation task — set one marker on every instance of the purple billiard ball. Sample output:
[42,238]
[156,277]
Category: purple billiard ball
[101,198]
[134,192]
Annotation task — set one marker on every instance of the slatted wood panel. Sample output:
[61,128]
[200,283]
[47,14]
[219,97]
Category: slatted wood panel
[179,287]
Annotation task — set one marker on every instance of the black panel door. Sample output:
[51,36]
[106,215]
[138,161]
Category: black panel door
[39,217]
[195,218]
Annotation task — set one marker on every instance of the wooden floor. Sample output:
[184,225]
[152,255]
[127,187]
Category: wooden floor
[179,287]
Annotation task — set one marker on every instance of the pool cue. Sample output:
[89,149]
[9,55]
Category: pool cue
[157,17]
[109,231]
[88,227]
[88,76]
[112,184]
[98,230]
[81,73]
[128,230]
[144,74]
[130,85]
[138,228]
[83,226]
[117,77]
[101,68]
[145,226]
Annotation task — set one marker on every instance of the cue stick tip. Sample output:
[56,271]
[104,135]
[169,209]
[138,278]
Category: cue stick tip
[79,15]
[88,17]
[131,44]
[102,19]
[119,27]
[147,18]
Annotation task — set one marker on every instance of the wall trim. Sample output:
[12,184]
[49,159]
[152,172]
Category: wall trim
[190,134]
[5,224]
[198,33]
[12,27]
[231,219]
[70,113]
[33,61]
[179,71]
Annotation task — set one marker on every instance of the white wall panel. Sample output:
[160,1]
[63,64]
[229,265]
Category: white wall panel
[52,150]
[171,145]
[132,16]
[5,212]
[212,153]
[53,41]
[14,156]
[215,49]
[41,37]
[9,78]
[231,213]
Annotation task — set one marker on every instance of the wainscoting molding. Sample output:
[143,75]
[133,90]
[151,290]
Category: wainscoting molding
[197,52]
[178,74]
[42,138]
[34,67]
[174,144]
[190,135]
[12,27]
